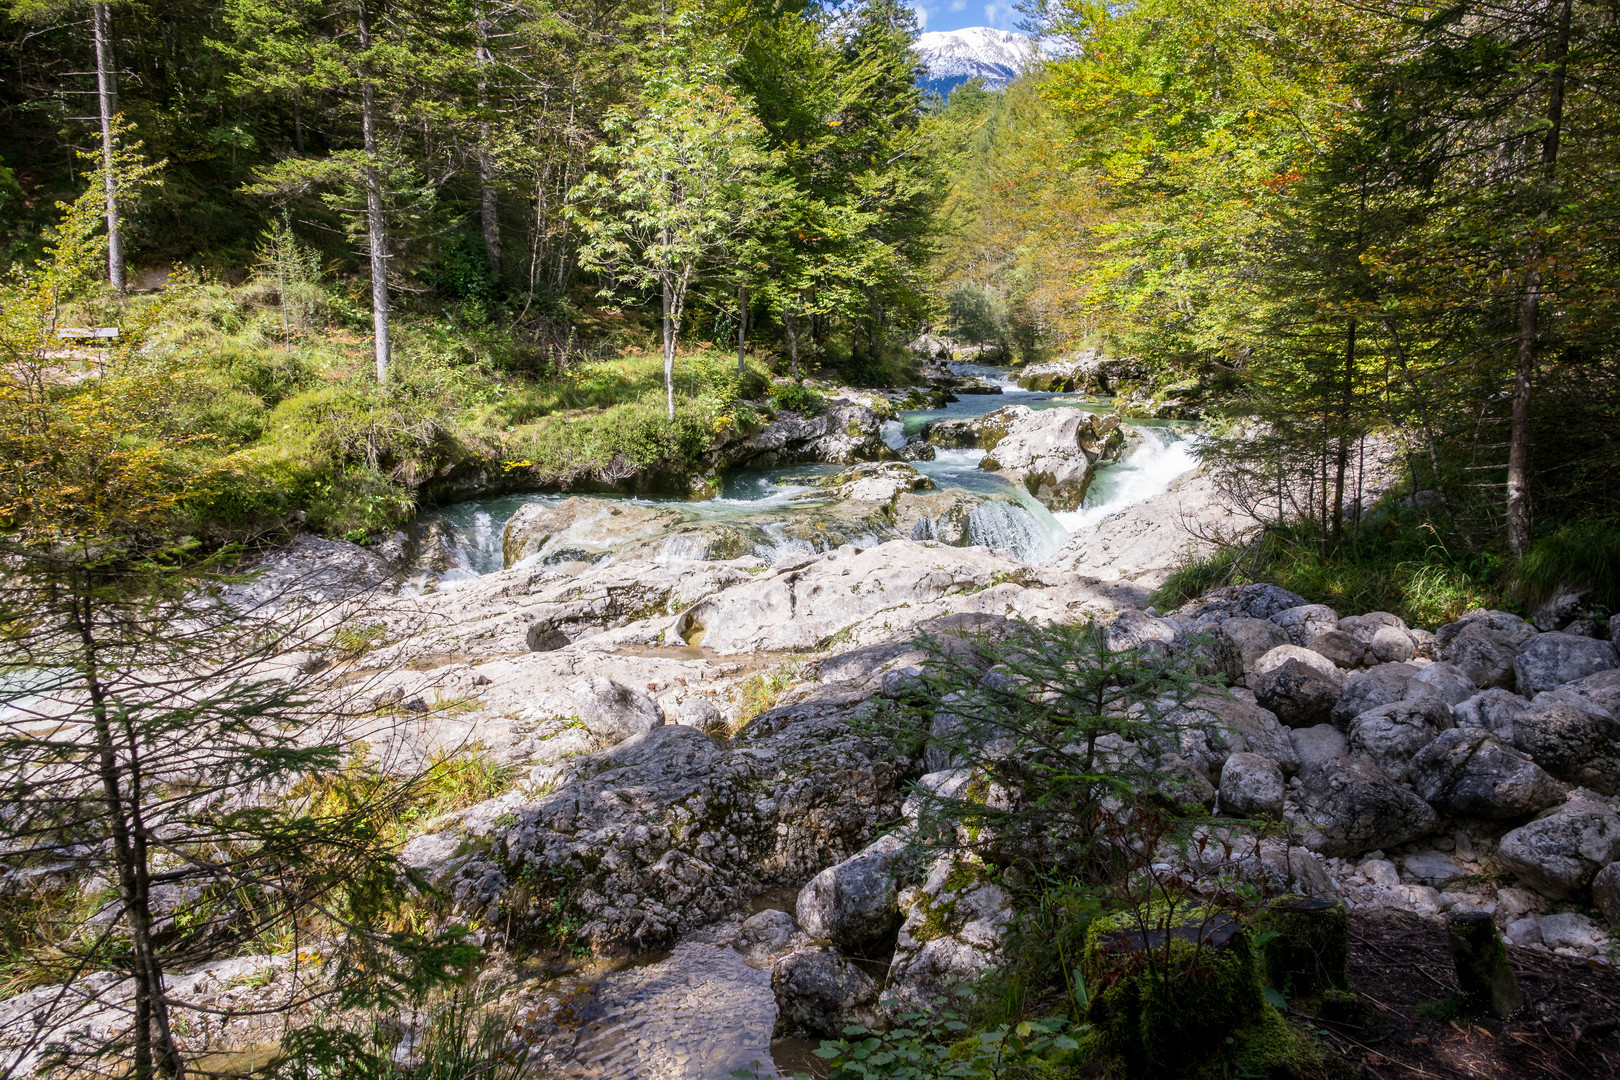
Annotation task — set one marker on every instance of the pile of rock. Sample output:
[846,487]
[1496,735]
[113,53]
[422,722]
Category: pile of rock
[1413,771]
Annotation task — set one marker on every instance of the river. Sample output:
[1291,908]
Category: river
[471,531]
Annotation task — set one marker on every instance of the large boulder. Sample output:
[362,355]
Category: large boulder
[1314,745]
[842,434]
[580,528]
[1576,745]
[1052,452]
[1391,734]
[955,931]
[1307,622]
[1602,689]
[1606,893]
[1514,630]
[1560,852]
[1251,787]
[1349,806]
[1132,628]
[1376,686]
[1473,774]
[1299,685]
[1493,710]
[1483,654]
[1252,638]
[1384,635]
[610,711]
[1550,660]
[1212,727]
[1340,648]
[818,991]
[854,903]
[1260,601]
[1449,681]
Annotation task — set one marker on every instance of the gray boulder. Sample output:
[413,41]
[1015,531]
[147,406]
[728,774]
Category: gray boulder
[765,937]
[1449,681]
[1132,628]
[1516,630]
[1251,601]
[1494,711]
[1470,773]
[699,712]
[1251,787]
[1303,624]
[1553,659]
[1560,853]
[1376,686]
[1391,645]
[1052,452]
[819,991]
[1573,744]
[1391,734]
[611,711]
[1606,893]
[955,931]
[1340,648]
[1602,689]
[1213,727]
[1253,638]
[1483,654]
[854,903]
[1349,807]
[1314,745]
[1299,685]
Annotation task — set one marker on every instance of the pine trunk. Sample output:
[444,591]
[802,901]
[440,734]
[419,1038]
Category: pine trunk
[742,326]
[1518,478]
[669,349]
[376,225]
[107,102]
[488,208]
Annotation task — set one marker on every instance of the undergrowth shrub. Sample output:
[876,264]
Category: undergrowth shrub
[1402,564]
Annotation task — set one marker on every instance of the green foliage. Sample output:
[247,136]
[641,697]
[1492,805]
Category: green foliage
[937,1043]
[1583,556]
[1399,565]
[1061,732]
[458,1037]
[797,398]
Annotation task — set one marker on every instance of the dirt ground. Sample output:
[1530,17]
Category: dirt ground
[1570,1026]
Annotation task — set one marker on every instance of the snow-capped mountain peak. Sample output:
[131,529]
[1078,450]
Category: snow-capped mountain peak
[952,57]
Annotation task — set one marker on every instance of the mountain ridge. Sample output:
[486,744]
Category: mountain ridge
[952,57]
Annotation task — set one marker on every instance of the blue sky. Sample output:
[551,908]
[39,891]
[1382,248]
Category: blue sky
[956,14]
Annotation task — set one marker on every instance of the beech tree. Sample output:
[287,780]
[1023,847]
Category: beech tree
[685,176]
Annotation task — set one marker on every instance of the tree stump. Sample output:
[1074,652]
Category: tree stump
[1311,949]
[1483,974]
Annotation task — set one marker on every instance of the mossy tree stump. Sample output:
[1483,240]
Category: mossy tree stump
[1304,946]
[1170,994]
[1484,976]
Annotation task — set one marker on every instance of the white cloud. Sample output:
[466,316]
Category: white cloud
[922,15]
[958,5]
[997,15]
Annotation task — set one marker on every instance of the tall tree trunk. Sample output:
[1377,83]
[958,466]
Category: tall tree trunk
[1518,478]
[107,101]
[742,325]
[488,209]
[376,226]
[1346,401]
[669,348]
[793,341]
[154,1050]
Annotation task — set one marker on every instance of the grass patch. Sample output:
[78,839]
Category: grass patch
[1403,566]
[761,691]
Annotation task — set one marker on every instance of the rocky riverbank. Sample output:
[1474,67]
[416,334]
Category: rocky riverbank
[687,736]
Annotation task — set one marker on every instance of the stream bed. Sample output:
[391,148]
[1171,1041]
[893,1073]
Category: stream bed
[766,500]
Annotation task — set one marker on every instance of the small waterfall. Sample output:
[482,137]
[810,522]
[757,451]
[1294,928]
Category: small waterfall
[1007,525]
[893,433]
[1146,471]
